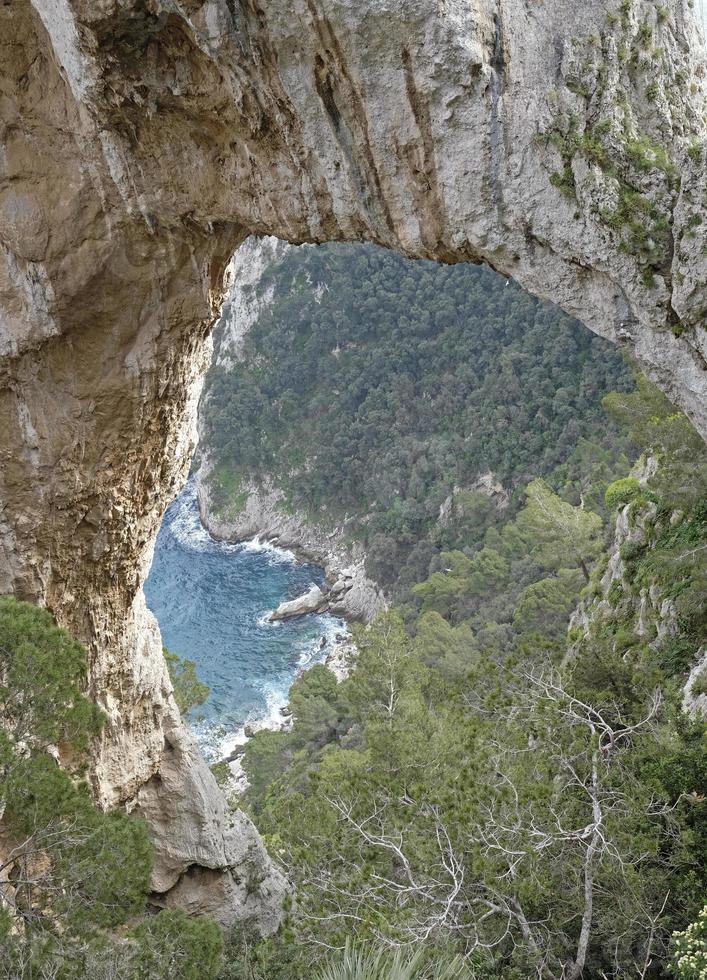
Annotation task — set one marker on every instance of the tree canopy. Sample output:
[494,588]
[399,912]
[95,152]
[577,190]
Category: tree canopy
[375,389]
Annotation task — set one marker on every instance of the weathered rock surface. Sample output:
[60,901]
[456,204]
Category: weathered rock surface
[142,140]
[695,693]
[342,657]
[651,615]
[312,601]
[228,873]
[243,302]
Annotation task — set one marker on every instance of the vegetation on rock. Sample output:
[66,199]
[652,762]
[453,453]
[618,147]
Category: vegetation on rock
[189,691]
[484,785]
[73,879]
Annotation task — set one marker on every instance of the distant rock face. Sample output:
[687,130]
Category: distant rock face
[695,693]
[143,140]
[243,302]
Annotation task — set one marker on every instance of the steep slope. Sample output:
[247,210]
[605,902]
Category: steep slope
[558,774]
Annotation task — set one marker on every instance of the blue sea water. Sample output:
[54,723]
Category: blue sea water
[211,599]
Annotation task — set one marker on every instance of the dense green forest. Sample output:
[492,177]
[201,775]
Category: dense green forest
[377,388]
[487,784]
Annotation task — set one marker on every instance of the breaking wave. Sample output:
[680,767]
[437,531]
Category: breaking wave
[212,600]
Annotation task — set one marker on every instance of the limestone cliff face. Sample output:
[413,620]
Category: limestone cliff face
[243,300]
[142,140]
[640,610]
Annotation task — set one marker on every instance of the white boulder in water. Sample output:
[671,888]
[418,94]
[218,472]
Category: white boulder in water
[312,601]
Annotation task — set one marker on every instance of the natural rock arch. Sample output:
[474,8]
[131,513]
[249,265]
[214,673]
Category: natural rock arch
[562,143]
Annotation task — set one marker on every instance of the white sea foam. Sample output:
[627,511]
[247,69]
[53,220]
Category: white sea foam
[210,736]
[265,622]
[217,742]
[215,739]
[186,527]
[271,550]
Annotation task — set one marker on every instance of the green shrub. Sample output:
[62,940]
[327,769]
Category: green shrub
[631,551]
[221,771]
[174,947]
[616,593]
[189,691]
[95,867]
[41,672]
[386,964]
[250,956]
[621,492]
[675,656]
[645,33]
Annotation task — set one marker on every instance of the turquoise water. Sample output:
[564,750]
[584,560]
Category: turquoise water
[211,599]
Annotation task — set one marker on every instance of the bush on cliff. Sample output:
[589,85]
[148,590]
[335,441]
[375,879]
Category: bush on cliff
[71,874]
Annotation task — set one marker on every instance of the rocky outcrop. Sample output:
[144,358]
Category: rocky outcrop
[142,140]
[695,692]
[495,131]
[311,602]
[243,300]
[350,593]
[453,507]
[211,859]
[640,611]
[342,658]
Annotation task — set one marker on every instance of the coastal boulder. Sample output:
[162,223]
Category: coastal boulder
[311,602]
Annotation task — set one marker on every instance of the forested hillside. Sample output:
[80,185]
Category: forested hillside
[486,783]
[513,773]
[381,389]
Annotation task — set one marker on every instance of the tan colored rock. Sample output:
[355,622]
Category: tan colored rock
[142,140]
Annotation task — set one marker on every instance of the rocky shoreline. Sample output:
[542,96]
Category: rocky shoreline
[348,593]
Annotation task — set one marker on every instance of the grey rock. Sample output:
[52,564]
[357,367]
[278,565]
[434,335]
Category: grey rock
[311,602]
[694,702]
